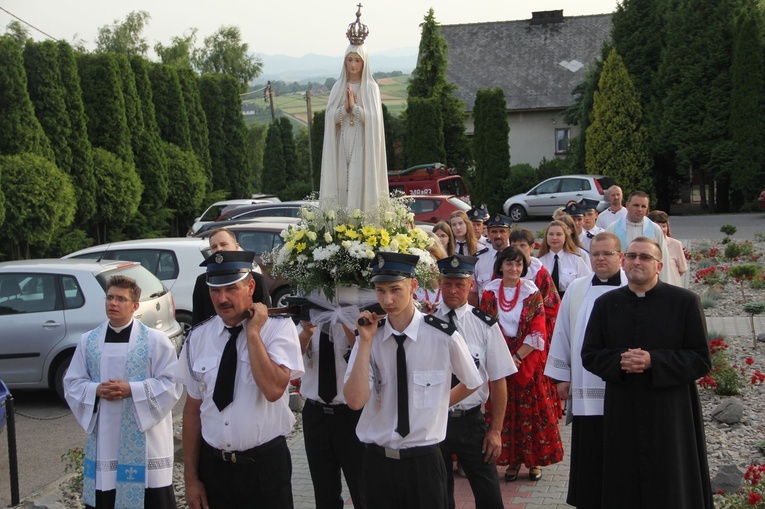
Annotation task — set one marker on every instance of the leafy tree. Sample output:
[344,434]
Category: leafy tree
[424,132]
[18,32]
[187,185]
[118,194]
[169,106]
[81,170]
[41,202]
[20,131]
[180,50]
[552,168]
[274,173]
[125,37]
[616,139]
[105,104]
[329,83]
[198,134]
[288,148]
[225,53]
[491,146]
[519,179]
[429,80]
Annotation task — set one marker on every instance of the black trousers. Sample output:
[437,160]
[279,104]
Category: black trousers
[263,483]
[331,444]
[464,437]
[417,482]
[585,483]
[154,498]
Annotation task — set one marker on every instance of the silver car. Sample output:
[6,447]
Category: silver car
[46,305]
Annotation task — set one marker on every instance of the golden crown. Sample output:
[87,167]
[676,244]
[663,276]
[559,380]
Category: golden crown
[357,31]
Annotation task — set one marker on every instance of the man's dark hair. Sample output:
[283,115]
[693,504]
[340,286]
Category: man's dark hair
[127,283]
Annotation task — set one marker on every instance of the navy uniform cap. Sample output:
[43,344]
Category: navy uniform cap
[457,266]
[388,267]
[478,214]
[588,204]
[574,209]
[225,268]
[498,220]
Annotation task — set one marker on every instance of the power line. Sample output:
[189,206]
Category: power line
[28,24]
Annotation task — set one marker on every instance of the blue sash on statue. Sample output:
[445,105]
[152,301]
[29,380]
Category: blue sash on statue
[131,462]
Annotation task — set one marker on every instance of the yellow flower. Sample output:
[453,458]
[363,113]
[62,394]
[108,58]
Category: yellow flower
[371,241]
[289,246]
[340,228]
[384,237]
[403,242]
[352,234]
[368,231]
[301,247]
[298,235]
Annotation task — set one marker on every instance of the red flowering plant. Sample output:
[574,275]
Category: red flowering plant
[726,377]
[751,495]
[711,275]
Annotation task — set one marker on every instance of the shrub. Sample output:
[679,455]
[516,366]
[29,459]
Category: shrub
[712,275]
[706,263]
[725,377]
[732,250]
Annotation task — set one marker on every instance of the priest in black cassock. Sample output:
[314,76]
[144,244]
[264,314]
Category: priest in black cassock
[648,342]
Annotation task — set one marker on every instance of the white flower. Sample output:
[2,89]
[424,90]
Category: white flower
[357,213]
[331,215]
[410,217]
[346,244]
[370,254]
[327,238]
[393,245]
[388,216]
[311,236]
[308,215]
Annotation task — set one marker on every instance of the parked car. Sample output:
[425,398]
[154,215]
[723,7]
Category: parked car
[175,262]
[544,198]
[281,209]
[428,179]
[47,305]
[261,237]
[432,209]
[216,209]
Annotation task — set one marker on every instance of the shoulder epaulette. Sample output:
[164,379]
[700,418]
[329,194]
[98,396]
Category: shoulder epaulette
[448,328]
[482,251]
[381,323]
[199,324]
[485,318]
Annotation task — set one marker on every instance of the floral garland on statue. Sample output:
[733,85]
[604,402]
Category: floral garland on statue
[331,247]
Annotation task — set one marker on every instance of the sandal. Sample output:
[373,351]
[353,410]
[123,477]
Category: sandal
[535,473]
[511,474]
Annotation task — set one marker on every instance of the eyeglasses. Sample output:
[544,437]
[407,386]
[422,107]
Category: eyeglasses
[643,257]
[119,298]
[605,254]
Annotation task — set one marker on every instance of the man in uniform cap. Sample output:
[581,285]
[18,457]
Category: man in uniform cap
[499,238]
[576,212]
[589,229]
[467,435]
[399,373]
[478,216]
[236,367]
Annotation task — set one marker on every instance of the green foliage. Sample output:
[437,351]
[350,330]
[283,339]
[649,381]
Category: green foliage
[732,250]
[317,136]
[706,263]
[617,141]
[20,131]
[198,134]
[105,104]
[187,185]
[754,308]
[256,144]
[125,37]
[520,178]
[42,202]
[169,106]
[744,271]
[549,168]
[81,170]
[274,167]
[225,53]
[728,230]
[74,460]
[180,50]
[759,236]
[430,73]
[210,95]
[288,149]
[707,301]
[491,146]
[235,149]
[424,132]
[118,194]
[68,241]
[17,31]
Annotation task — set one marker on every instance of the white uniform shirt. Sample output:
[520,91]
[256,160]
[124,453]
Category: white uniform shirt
[488,348]
[608,216]
[586,240]
[484,269]
[250,420]
[570,267]
[431,358]
[309,385]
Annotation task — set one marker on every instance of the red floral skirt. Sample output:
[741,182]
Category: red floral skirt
[530,429]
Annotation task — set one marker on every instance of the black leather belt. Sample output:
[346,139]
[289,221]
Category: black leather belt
[456,414]
[398,454]
[329,409]
[249,456]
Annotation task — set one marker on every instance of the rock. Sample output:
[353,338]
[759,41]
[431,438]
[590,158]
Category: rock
[296,402]
[729,411]
[728,479]
[51,501]
[761,338]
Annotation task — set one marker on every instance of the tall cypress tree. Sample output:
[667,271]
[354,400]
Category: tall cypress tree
[617,143]
[118,194]
[187,184]
[491,146]
[20,131]
[289,149]
[81,170]
[169,106]
[198,133]
[256,144]
[210,93]
[317,139]
[274,173]
[424,131]
[235,151]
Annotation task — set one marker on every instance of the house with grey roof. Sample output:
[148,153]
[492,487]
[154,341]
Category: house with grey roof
[537,63]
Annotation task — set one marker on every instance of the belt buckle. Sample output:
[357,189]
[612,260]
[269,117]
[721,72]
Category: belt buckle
[394,454]
[231,458]
[328,410]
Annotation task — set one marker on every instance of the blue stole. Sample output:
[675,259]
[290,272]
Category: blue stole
[620,229]
[131,461]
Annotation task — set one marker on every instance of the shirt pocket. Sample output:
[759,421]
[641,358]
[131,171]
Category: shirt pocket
[205,373]
[428,388]
[245,368]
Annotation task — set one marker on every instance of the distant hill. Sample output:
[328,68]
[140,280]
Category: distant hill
[318,68]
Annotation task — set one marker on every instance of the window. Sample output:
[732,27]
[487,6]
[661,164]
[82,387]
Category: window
[258,242]
[572,185]
[73,297]
[549,187]
[27,293]
[561,140]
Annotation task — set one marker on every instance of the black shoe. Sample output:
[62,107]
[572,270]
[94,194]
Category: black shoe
[511,474]
[535,473]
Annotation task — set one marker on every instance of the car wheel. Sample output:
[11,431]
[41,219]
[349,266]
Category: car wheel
[184,319]
[279,298]
[517,213]
[58,376]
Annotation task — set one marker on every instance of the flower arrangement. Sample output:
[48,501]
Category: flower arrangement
[750,496]
[332,247]
[727,378]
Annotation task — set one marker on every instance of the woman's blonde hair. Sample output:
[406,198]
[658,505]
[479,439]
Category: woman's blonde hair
[568,244]
[472,244]
[436,249]
[566,219]
[443,226]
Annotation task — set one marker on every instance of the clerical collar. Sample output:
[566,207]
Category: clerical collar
[120,329]
[119,334]
[614,280]
[634,224]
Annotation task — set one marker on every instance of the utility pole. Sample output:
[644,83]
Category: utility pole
[270,96]
[310,137]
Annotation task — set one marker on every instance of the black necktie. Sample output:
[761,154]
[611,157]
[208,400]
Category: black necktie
[223,394]
[450,315]
[327,375]
[403,392]
[462,247]
[555,274]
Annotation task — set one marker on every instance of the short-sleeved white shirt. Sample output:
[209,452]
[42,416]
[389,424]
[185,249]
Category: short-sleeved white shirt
[309,385]
[570,267]
[484,269]
[250,420]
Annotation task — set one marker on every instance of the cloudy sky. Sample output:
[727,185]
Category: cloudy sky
[291,27]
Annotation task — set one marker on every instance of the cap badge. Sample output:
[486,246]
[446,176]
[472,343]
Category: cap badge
[219,258]
[380,262]
[455,263]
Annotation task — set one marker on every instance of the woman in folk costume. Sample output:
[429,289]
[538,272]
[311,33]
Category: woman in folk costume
[354,170]
[530,430]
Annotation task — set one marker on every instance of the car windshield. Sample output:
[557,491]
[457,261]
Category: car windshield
[151,287]
[212,213]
